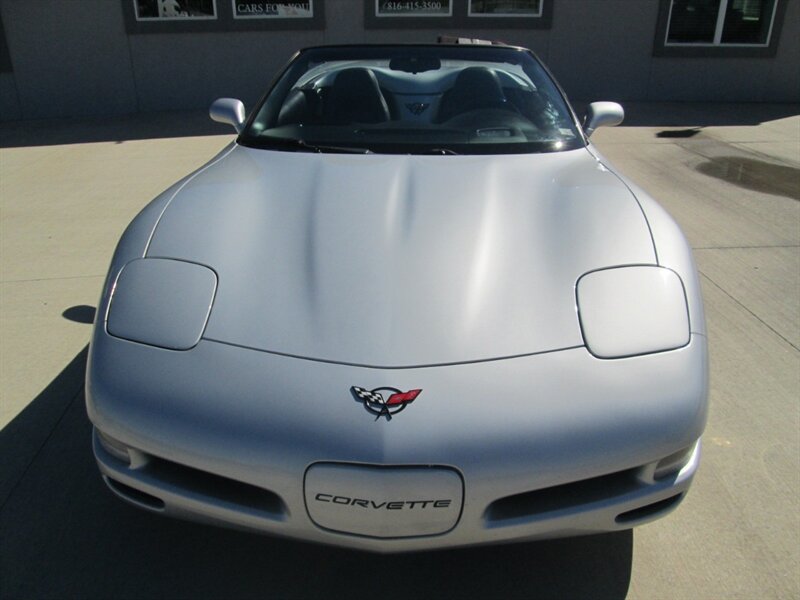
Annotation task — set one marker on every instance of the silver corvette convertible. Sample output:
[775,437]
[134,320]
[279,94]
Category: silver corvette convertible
[410,307]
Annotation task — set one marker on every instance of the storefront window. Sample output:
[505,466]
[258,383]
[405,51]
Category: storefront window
[720,22]
[748,22]
[724,28]
[5,57]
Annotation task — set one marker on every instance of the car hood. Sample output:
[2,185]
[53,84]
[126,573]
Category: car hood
[400,261]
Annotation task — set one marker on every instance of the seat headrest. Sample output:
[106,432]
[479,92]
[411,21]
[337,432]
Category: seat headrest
[355,97]
[474,88]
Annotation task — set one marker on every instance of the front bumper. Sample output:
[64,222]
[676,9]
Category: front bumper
[546,446]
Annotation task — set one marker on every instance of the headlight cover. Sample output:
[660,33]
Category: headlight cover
[161,302]
[628,311]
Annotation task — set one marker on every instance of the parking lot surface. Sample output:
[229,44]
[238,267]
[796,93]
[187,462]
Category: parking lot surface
[730,175]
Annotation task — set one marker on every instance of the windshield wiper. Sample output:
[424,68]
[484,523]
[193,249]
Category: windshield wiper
[441,151]
[297,143]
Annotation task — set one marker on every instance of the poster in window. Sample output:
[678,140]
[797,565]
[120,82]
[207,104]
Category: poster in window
[505,8]
[173,10]
[413,8]
[252,9]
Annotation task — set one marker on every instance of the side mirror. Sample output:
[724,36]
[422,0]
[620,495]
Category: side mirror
[228,110]
[602,114]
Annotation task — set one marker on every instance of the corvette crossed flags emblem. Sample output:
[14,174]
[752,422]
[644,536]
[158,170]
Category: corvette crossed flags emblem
[375,402]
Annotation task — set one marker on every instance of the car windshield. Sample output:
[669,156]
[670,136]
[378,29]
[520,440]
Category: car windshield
[414,100]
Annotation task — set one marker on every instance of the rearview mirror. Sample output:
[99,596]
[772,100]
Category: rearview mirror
[602,114]
[228,110]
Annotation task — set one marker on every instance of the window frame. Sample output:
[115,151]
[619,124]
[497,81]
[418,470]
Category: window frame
[716,48]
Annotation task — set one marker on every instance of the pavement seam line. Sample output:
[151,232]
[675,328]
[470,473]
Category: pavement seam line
[759,319]
[39,450]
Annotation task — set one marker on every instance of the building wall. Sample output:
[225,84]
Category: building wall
[81,62]
[63,65]
[9,101]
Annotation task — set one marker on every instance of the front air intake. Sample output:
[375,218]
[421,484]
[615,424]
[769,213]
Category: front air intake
[220,490]
[561,497]
[135,496]
[646,512]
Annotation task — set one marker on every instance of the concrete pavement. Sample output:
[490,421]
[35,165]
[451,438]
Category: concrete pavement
[730,174]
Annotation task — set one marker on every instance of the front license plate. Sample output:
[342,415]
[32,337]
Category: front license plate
[383,502]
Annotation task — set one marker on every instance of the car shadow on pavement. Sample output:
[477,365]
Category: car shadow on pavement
[63,534]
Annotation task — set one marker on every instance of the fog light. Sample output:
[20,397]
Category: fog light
[115,448]
[672,464]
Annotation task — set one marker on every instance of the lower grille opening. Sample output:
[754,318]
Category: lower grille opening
[217,488]
[562,497]
[649,510]
[135,496]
